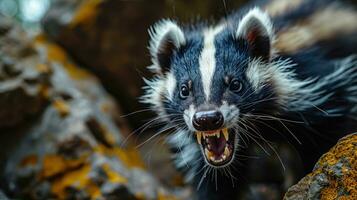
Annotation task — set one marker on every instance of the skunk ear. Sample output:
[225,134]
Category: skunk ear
[165,37]
[256,28]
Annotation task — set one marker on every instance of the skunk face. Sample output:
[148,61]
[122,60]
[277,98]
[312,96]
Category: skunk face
[209,79]
[223,86]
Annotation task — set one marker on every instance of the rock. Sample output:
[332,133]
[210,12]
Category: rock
[74,148]
[334,175]
[3,196]
[110,38]
[23,78]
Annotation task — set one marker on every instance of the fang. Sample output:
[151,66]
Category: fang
[199,137]
[225,133]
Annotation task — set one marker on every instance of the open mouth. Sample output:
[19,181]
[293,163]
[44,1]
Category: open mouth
[217,146]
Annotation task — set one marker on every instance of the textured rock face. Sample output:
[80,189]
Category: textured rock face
[23,80]
[73,149]
[3,196]
[334,175]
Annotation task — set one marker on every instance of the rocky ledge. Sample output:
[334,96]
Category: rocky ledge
[334,175]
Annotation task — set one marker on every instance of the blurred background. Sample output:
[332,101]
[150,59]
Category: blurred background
[114,44]
[70,77]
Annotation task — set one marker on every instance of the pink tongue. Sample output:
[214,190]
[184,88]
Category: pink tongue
[217,145]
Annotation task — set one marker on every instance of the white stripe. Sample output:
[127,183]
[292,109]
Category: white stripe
[170,85]
[207,60]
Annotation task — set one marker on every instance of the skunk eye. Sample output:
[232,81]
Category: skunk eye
[235,85]
[184,91]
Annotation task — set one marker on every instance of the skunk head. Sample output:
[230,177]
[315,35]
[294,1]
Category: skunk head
[209,79]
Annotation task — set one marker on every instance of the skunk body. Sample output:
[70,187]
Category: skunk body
[277,70]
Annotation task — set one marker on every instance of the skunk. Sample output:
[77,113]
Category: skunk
[277,70]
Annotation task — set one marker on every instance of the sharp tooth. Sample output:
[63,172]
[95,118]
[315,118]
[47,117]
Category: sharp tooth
[199,137]
[226,151]
[208,153]
[218,134]
[224,157]
[225,133]
[204,136]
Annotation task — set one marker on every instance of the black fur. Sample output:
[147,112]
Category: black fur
[323,124]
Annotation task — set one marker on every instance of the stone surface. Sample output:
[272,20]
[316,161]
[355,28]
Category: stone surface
[23,80]
[74,148]
[3,196]
[334,175]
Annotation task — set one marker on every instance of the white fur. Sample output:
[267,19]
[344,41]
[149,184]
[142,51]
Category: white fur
[279,74]
[188,116]
[343,78]
[255,15]
[230,114]
[299,95]
[154,90]
[157,33]
[170,83]
[207,60]
[157,90]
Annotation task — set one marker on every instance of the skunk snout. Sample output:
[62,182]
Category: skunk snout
[208,120]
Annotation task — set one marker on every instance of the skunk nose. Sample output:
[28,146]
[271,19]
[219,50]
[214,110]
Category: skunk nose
[207,120]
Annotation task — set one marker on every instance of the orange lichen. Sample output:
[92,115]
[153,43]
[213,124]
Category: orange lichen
[65,173]
[114,177]
[45,91]
[101,132]
[56,164]
[162,196]
[109,137]
[330,192]
[43,68]
[79,179]
[62,107]
[129,156]
[75,172]
[57,54]
[29,160]
[106,107]
[338,167]
[345,150]
[85,12]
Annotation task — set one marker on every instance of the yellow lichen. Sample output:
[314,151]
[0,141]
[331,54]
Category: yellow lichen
[113,176]
[104,133]
[45,91]
[57,54]
[346,150]
[43,68]
[65,173]
[56,164]
[85,12]
[29,160]
[78,179]
[330,192]
[62,107]
[129,156]
[162,196]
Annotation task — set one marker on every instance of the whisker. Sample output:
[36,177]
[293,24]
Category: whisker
[156,134]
